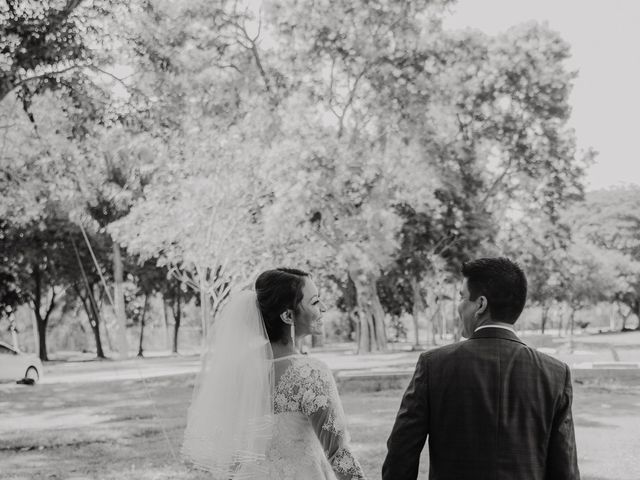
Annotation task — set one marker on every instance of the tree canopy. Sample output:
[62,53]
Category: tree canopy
[362,140]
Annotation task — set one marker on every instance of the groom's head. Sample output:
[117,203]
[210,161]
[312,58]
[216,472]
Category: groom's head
[494,290]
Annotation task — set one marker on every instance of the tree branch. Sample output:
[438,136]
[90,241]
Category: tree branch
[36,77]
[496,182]
[352,95]
[118,79]
[331,81]
[51,304]
[254,51]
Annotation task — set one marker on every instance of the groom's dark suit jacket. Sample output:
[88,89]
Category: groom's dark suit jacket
[492,407]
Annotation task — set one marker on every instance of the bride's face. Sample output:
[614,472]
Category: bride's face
[308,319]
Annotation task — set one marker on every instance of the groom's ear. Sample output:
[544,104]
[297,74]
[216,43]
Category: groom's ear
[483,304]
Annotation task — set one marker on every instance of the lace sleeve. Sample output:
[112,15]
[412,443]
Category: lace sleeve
[321,403]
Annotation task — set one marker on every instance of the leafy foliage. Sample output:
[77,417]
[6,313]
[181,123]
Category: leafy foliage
[358,139]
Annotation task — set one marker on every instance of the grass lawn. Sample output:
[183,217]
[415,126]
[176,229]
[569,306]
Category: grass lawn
[116,430]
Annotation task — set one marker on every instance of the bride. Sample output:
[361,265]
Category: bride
[260,409]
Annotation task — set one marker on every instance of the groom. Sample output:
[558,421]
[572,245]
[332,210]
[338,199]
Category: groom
[492,407]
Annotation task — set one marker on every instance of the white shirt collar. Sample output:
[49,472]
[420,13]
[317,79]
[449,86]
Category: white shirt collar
[504,327]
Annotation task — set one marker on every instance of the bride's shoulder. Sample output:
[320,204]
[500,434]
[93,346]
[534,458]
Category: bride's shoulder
[308,367]
[312,362]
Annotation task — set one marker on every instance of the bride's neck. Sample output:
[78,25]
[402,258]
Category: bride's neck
[283,347]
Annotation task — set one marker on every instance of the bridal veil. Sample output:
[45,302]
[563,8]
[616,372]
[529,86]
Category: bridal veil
[229,423]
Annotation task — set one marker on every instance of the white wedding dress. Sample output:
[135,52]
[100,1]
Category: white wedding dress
[310,440]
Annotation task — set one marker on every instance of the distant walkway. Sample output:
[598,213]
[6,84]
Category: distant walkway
[391,368]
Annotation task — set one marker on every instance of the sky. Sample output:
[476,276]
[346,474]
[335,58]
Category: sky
[605,43]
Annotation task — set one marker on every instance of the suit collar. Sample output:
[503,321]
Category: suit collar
[493,332]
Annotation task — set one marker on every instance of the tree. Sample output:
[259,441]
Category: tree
[609,220]
[116,177]
[64,50]
[400,285]
[354,166]
[311,124]
[433,245]
[38,252]
[197,235]
[201,214]
[44,44]
[592,276]
[344,199]
[146,279]
[176,294]
[484,131]
[86,277]
[11,294]
[541,246]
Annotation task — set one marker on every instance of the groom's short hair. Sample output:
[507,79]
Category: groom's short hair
[502,282]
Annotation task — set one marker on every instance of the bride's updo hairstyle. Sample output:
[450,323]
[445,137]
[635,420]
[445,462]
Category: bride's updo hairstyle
[279,290]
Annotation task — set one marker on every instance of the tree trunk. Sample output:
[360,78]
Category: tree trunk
[204,304]
[560,313]
[93,316]
[41,321]
[571,325]
[637,312]
[612,317]
[92,310]
[177,316]
[118,280]
[106,333]
[363,335]
[41,326]
[142,320]
[624,316]
[42,337]
[166,321]
[433,324]
[416,328]
[457,329]
[372,333]
[219,292]
[418,309]
[349,305]
[545,317]
[14,331]
[95,328]
[96,321]
[624,322]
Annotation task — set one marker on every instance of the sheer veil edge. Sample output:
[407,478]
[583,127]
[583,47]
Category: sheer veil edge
[230,420]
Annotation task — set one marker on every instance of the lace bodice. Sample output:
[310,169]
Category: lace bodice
[306,395]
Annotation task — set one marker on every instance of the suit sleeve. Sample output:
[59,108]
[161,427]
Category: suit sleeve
[562,458]
[411,428]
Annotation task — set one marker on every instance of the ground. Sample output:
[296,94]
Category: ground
[127,428]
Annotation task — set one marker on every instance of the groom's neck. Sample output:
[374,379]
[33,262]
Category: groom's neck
[488,322]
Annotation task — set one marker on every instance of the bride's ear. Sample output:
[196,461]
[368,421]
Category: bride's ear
[287,317]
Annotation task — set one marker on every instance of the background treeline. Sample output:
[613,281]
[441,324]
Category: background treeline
[156,156]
